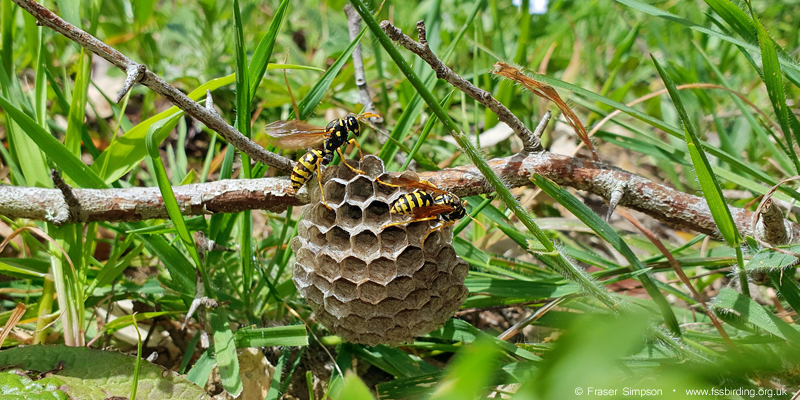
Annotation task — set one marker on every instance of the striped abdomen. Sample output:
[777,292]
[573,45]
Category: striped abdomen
[306,167]
[410,201]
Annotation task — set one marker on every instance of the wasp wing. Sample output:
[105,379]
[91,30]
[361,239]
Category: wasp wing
[295,135]
[428,211]
[401,181]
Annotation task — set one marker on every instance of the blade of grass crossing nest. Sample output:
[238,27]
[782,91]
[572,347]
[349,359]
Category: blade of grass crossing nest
[546,92]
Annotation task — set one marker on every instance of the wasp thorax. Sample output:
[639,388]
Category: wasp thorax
[367,284]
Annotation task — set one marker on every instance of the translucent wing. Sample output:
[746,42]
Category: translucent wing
[295,135]
[400,181]
[425,212]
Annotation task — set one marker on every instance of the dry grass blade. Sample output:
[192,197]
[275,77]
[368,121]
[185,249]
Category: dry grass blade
[678,270]
[546,92]
[19,311]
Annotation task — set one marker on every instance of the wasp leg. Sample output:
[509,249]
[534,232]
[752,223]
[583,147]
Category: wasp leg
[438,227]
[360,153]
[344,161]
[387,184]
[431,218]
[319,182]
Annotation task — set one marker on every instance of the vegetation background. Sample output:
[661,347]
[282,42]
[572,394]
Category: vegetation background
[536,325]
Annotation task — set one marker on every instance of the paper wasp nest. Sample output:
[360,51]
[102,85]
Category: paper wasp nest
[369,285]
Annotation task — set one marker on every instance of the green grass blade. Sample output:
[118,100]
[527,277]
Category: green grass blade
[353,388]
[412,110]
[426,130]
[733,160]
[69,163]
[565,266]
[471,372]
[138,364]
[70,11]
[201,370]
[77,109]
[167,194]
[243,125]
[774,82]
[708,181]
[260,60]
[130,149]
[743,25]
[647,9]
[753,313]
[602,229]
[747,112]
[314,96]
[225,348]
[290,335]
[180,269]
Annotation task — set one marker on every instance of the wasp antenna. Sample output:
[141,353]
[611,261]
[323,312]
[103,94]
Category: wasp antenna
[464,203]
[367,115]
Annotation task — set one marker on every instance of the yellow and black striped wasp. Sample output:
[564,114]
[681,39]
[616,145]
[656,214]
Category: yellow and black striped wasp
[427,203]
[295,135]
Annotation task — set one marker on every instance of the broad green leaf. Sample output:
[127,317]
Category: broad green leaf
[130,149]
[68,162]
[768,260]
[92,374]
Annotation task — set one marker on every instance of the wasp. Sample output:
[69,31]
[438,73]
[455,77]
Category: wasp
[295,135]
[427,203]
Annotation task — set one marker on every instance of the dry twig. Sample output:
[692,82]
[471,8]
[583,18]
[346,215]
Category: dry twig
[531,141]
[134,72]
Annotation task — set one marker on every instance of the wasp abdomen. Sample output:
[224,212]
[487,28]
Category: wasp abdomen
[410,201]
[306,167]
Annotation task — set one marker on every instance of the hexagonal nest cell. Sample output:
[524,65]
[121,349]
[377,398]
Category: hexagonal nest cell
[365,284]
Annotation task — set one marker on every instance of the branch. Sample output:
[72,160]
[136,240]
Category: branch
[138,72]
[529,139]
[137,204]
[134,204]
[354,28]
